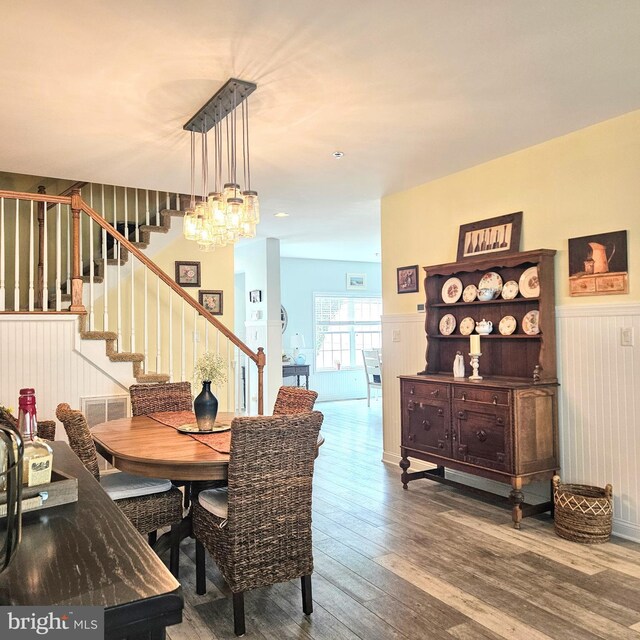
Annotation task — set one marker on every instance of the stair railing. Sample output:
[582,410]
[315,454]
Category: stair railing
[126,292]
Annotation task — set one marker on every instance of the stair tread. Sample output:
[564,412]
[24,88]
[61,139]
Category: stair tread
[152,377]
[98,335]
[126,357]
[153,227]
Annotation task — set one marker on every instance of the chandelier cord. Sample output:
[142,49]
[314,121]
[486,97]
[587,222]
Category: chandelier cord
[193,169]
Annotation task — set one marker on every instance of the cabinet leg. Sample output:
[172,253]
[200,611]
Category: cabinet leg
[404,465]
[517,498]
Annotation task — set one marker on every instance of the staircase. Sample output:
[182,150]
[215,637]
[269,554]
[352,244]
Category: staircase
[83,265]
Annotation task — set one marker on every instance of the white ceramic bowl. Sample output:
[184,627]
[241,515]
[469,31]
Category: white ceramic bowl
[487,294]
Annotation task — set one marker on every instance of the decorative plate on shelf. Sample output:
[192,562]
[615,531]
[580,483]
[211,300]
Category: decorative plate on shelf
[447,324]
[193,428]
[507,325]
[491,280]
[530,323]
[451,290]
[510,290]
[470,292]
[530,283]
[467,325]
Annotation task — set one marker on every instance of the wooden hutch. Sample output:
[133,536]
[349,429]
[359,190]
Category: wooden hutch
[505,426]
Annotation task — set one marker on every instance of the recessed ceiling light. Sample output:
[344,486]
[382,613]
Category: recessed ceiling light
[281,214]
[338,154]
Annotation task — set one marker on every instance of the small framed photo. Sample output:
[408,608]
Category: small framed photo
[494,235]
[211,301]
[255,295]
[407,279]
[356,281]
[188,274]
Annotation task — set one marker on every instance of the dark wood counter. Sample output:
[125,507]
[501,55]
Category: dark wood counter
[88,553]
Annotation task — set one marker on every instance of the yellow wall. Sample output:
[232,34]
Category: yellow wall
[582,183]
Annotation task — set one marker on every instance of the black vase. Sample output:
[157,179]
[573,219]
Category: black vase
[205,407]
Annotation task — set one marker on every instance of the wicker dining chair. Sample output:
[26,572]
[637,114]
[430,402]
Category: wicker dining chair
[258,530]
[294,400]
[46,428]
[165,396]
[149,503]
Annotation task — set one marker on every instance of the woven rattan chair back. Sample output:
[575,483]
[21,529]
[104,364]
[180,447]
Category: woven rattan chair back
[292,400]
[267,536]
[79,435]
[46,428]
[167,396]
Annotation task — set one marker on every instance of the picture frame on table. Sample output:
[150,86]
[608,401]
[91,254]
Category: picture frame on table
[493,235]
[211,300]
[407,279]
[187,273]
[356,281]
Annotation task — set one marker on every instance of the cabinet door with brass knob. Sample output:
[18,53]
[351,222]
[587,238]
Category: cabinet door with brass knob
[426,426]
[483,434]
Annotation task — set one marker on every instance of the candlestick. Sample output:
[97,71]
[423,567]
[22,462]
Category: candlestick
[475,365]
[474,349]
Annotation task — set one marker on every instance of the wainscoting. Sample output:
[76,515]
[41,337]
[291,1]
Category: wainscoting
[38,351]
[600,404]
[599,401]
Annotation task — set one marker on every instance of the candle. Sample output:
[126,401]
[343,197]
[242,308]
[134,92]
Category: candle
[474,349]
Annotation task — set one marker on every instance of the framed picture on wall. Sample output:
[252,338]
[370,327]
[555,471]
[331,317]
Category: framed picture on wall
[493,235]
[255,295]
[211,301]
[356,281]
[407,279]
[188,273]
[598,264]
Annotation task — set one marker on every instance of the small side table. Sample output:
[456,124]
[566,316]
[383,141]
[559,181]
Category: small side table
[296,370]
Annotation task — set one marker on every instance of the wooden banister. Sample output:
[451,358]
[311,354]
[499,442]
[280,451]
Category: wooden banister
[35,197]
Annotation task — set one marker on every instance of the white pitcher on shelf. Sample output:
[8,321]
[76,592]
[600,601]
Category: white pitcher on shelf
[458,365]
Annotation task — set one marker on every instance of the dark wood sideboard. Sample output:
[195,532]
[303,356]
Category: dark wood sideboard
[505,426]
[88,553]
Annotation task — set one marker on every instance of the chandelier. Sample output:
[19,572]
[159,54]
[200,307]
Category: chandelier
[231,211]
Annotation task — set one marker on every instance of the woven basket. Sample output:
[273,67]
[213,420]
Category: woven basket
[582,513]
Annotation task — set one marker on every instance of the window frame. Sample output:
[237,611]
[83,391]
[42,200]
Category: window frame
[355,327]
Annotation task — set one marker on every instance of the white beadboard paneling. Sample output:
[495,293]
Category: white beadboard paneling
[405,356]
[38,351]
[600,405]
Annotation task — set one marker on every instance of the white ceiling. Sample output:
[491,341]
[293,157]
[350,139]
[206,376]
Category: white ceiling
[409,90]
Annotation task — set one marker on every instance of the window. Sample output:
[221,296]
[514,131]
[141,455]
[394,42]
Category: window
[343,327]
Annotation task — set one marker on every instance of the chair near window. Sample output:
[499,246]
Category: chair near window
[258,531]
[149,503]
[373,370]
[165,396]
[294,400]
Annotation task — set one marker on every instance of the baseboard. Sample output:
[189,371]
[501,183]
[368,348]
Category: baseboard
[626,530]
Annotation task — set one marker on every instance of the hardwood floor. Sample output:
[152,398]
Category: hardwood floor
[427,563]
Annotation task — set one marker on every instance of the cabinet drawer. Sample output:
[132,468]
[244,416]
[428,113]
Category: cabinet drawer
[425,390]
[488,396]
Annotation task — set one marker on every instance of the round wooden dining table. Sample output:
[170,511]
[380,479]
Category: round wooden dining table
[145,447]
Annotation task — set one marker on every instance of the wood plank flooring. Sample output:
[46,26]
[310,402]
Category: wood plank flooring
[425,564]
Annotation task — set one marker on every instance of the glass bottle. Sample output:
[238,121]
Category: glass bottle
[38,455]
